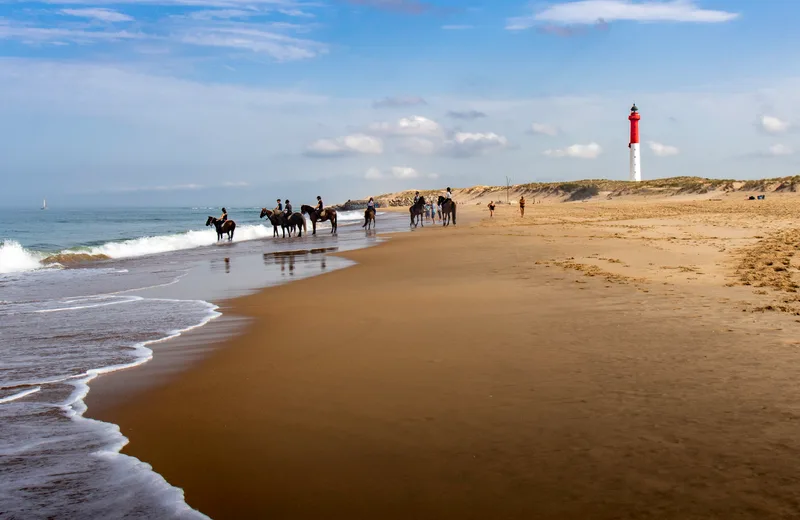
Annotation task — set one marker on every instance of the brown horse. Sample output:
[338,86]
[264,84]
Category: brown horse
[369,218]
[448,210]
[293,222]
[328,214]
[417,210]
[223,228]
[274,219]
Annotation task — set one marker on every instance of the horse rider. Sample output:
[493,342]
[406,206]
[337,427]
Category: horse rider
[279,207]
[224,216]
[371,204]
[449,194]
[320,207]
[416,197]
[288,208]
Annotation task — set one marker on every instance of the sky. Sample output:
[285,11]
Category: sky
[239,102]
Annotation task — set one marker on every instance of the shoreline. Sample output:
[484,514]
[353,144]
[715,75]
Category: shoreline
[460,395]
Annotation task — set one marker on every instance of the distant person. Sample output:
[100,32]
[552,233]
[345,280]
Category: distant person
[224,216]
[371,204]
[522,206]
[279,207]
[320,206]
[491,208]
[416,197]
[288,207]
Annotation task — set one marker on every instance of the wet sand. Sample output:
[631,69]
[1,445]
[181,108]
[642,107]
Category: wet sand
[592,361]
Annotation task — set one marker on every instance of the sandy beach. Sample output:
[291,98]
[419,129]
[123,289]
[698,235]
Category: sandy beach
[632,359]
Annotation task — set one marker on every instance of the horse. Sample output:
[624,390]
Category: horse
[329,214]
[417,210]
[292,221]
[448,210]
[274,219]
[223,228]
[369,218]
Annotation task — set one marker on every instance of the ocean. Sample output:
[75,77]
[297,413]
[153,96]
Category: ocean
[87,292]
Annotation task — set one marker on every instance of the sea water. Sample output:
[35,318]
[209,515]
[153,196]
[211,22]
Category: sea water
[84,293]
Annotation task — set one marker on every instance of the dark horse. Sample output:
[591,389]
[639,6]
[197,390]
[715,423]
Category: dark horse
[294,222]
[328,214]
[223,228]
[369,218]
[448,210]
[417,210]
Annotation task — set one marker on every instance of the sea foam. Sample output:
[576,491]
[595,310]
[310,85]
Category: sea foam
[14,258]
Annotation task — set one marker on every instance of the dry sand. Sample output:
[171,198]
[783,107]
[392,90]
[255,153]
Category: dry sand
[596,360]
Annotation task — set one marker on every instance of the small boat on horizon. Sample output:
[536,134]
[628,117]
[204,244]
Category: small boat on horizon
[44,203]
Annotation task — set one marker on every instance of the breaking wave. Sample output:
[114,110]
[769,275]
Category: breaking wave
[14,258]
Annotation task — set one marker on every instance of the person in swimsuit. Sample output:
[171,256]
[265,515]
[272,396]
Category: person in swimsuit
[224,216]
[522,206]
[491,208]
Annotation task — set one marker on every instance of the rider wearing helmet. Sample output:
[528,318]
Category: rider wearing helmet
[288,208]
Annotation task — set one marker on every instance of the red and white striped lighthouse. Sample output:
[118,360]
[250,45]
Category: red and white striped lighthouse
[636,165]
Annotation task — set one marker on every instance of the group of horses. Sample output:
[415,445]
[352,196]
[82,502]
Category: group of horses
[293,222]
[417,211]
[296,222]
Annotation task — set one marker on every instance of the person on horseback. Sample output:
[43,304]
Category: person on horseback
[279,207]
[288,208]
[224,216]
[449,194]
[320,207]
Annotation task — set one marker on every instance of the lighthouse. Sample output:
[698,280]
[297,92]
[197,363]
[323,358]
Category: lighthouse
[636,165]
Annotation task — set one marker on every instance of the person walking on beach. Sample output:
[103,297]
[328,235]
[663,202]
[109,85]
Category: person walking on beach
[224,216]
[491,208]
[522,206]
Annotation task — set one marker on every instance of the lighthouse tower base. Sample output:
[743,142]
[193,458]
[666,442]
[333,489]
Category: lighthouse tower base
[636,166]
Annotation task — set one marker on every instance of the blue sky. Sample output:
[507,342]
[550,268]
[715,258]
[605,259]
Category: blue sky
[241,101]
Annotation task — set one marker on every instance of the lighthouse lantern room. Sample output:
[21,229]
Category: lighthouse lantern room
[636,165]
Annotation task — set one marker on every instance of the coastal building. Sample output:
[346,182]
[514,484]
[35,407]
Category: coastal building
[636,165]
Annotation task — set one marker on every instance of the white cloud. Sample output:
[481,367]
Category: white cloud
[544,129]
[780,150]
[417,146]
[248,37]
[347,145]
[221,14]
[98,13]
[663,150]
[31,35]
[590,11]
[408,126]
[773,125]
[456,27]
[177,187]
[398,101]
[466,114]
[236,184]
[467,144]
[580,151]
[397,172]
[296,13]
